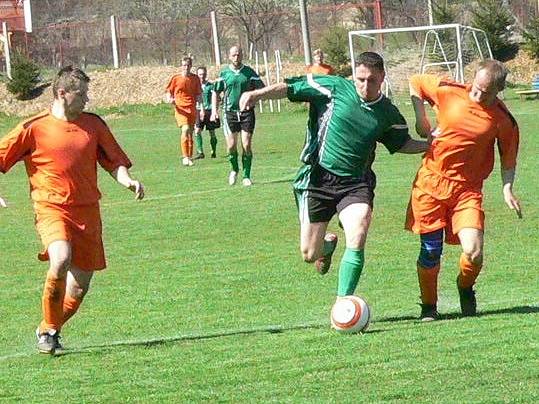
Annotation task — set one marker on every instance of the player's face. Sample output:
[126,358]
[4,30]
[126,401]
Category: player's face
[484,89]
[201,73]
[75,100]
[318,58]
[235,55]
[186,67]
[368,82]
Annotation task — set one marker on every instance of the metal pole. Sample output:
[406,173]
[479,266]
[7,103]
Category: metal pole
[6,48]
[114,42]
[278,68]
[268,77]
[305,32]
[429,6]
[216,49]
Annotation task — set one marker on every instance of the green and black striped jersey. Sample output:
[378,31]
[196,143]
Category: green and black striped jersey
[343,129]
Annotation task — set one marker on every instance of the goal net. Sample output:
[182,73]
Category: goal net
[452,50]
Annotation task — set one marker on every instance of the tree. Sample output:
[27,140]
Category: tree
[492,17]
[531,36]
[334,43]
[24,76]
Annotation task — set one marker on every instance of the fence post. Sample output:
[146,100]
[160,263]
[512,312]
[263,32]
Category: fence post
[268,78]
[114,42]
[5,39]
[215,39]
[278,68]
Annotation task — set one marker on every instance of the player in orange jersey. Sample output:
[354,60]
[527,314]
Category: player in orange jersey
[447,192]
[184,92]
[61,148]
[319,67]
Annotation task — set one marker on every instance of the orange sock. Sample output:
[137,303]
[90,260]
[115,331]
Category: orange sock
[70,307]
[190,145]
[428,284]
[184,143]
[468,272]
[52,301]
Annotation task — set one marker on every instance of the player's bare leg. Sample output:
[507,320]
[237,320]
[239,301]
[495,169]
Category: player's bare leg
[187,145]
[312,240]
[78,284]
[232,148]
[471,262]
[355,219]
[246,157]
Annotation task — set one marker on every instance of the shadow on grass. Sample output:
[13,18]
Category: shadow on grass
[171,340]
[481,313]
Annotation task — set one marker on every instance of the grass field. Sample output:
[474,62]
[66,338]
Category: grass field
[206,298]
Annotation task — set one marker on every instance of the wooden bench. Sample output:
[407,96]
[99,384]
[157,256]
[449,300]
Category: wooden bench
[524,93]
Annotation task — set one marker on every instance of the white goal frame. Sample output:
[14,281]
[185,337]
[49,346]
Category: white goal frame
[455,67]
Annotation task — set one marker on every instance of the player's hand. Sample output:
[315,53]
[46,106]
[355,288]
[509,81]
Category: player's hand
[136,187]
[213,116]
[512,203]
[247,100]
[3,203]
[201,115]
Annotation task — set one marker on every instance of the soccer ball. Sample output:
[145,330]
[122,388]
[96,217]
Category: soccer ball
[350,314]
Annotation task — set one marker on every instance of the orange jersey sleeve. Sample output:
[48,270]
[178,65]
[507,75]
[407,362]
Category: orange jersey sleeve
[320,69]
[464,148]
[425,86]
[61,157]
[185,91]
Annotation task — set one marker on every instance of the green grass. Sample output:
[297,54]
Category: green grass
[206,298]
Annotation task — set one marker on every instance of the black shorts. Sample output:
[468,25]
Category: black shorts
[209,125]
[320,194]
[236,121]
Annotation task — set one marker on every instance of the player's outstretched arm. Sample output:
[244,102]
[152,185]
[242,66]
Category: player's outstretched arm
[508,178]
[413,146]
[273,92]
[121,174]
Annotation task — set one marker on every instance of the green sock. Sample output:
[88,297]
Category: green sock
[213,142]
[233,158]
[246,161]
[198,142]
[350,271]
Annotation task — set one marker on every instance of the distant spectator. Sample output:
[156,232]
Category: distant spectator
[319,67]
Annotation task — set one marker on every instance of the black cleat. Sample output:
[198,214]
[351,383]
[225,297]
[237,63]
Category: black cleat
[429,312]
[213,155]
[468,304]
[199,156]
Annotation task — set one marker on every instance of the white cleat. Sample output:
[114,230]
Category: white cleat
[185,161]
[232,177]
[189,162]
[247,182]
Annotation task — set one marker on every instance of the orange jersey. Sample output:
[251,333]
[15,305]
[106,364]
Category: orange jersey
[61,157]
[322,68]
[463,149]
[185,91]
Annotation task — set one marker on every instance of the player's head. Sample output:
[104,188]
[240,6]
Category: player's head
[70,89]
[488,81]
[202,73]
[235,55]
[187,64]
[370,75]
[318,56]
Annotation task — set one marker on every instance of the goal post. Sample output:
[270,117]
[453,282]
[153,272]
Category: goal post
[450,49]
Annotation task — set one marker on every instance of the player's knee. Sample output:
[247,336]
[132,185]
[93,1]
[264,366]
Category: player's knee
[431,249]
[78,292]
[474,255]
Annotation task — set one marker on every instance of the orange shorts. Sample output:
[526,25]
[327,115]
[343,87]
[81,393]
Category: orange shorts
[446,207]
[183,118]
[80,225]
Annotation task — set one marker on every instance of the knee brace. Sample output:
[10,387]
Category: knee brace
[431,249]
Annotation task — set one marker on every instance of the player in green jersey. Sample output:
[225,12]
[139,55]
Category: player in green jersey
[233,81]
[205,104]
[346,120]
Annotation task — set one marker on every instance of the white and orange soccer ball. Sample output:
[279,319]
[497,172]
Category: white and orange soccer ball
[350,314]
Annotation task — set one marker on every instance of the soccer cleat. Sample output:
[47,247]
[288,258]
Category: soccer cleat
[199,156]
[429,312]
[48,342]
[189,162]
[323,263]
[247,182]
[213,155]
[232,177]
[468,304]
[185,161]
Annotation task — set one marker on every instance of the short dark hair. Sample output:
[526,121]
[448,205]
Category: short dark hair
[371,60]
[202,68]
[188,59]
[495,70]
[69,78]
